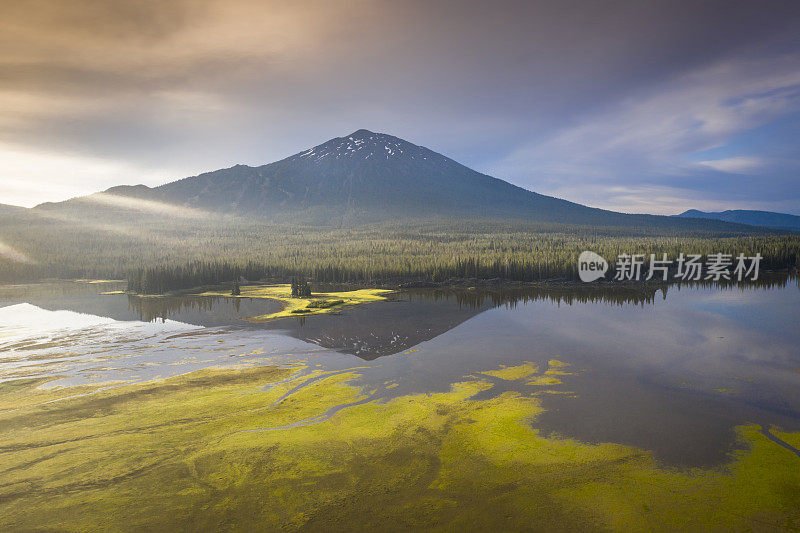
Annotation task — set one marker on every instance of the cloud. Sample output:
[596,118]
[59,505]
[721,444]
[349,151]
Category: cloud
[735,165]
[665,200]
[30,177]
[563,92]
[651,139]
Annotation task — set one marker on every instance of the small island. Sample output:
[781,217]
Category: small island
[316,303]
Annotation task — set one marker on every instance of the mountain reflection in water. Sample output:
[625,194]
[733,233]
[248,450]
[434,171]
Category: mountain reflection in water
[670,369]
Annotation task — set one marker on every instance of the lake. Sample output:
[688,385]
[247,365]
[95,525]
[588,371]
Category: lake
[672,371]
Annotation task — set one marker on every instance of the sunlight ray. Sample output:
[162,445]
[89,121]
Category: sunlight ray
[149,206]
[7,252]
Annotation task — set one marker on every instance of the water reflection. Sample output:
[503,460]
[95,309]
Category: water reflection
[214,311]
[671,369]
[673,376]
[418,315]
[86,298]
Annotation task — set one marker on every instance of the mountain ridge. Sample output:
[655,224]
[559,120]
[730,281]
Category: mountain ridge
[368,176]
[767,219]
[7,209]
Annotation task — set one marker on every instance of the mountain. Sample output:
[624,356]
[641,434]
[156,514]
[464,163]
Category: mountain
[369,176]
[6,209]
[366,175]
[766,219]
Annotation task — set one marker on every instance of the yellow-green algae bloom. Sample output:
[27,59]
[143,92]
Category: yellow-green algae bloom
[331,301]
[217,450]
[510,373]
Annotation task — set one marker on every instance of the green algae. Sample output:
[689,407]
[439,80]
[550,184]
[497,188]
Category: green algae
[544,381]
[531,371]
[201,452]
[548,377]
[510,373]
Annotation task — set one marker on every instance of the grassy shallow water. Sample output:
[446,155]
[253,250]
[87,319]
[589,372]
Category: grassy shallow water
[319,302]
[233,449]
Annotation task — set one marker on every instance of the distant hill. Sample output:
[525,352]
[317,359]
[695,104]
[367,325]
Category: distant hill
[369,176]
[766,219]
[6,209]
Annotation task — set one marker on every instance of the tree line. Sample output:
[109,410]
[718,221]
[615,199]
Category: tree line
[158,255]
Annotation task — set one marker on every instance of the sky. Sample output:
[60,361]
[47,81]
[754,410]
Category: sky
[637,106]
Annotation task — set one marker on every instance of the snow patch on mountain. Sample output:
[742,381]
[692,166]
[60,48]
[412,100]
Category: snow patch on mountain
[363,144]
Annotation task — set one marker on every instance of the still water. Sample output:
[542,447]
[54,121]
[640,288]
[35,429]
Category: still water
[672,371]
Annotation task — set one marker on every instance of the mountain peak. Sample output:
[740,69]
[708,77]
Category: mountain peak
[363,133]
[364,144]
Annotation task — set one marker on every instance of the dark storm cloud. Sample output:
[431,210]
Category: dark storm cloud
[602,102]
